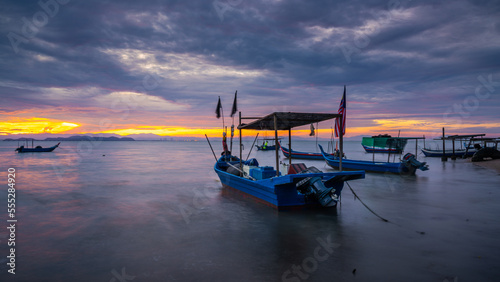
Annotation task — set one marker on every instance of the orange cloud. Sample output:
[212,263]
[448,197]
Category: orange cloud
[35,126]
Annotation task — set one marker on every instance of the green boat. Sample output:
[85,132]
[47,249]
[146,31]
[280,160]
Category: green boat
[385,143]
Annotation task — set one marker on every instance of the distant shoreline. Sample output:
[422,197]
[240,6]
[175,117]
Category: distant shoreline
[74,138]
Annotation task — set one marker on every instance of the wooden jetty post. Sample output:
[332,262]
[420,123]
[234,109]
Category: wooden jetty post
[341,141]
[276,147]
[241,145]
[290,147]
[453,157]
[444,158]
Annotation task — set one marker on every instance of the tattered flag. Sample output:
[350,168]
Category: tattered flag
[218,110]
[235,105]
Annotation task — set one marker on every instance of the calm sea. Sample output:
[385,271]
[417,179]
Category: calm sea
[156,211]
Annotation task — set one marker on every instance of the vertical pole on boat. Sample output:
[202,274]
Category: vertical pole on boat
[239,127]
[416,147]
[424,141]
[251,148]
[373,151]
[389,155]
[276,142]
[443,158]
[290,146]
[341,141]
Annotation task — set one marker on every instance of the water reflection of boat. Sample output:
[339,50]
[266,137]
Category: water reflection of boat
[37,149]
[301,186]
[408,165]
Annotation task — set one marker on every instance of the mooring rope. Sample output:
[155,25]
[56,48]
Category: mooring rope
[355,195]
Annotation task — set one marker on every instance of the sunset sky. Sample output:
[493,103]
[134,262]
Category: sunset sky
[158,67]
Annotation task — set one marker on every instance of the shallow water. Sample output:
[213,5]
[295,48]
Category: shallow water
[156,211]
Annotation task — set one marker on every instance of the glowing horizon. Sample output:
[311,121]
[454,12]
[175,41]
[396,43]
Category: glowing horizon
[393,126]
[35,125]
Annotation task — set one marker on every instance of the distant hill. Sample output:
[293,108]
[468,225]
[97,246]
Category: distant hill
[76,138]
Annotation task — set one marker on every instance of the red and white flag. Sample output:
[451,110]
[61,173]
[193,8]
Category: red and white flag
[342,110]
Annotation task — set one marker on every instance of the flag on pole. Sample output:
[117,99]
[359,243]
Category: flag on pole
[342,110]
[312,130]
[235,105]
[219,108]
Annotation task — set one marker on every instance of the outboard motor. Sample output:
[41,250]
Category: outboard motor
[314,187]
[410,164]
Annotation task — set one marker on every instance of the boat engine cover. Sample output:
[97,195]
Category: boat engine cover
[314,187]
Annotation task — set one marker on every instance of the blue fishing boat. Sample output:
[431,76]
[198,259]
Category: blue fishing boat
[407,166]
[300,155]
[37,149]
[299,186]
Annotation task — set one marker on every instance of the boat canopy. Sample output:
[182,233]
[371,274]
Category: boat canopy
[285,120]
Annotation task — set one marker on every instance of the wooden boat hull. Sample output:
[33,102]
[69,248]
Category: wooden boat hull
[448,153]
[36,150]
[268,148]
[281,192]
[383,144]
[300,155]
[383,167]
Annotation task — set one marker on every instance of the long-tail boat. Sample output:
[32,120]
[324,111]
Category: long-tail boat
[37,149]
[408,165]
[300,155]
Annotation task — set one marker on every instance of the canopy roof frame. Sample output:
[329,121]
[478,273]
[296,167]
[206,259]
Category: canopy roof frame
[286,121]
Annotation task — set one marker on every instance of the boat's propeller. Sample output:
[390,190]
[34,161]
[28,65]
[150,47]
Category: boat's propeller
[314,187]
[410,160]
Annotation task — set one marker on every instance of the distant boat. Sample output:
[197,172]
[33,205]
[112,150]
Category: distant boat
[300,155]
[37,149]
[471,146]
[448,153]
[407,166]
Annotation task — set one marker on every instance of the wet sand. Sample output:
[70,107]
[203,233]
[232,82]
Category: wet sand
[491,164]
